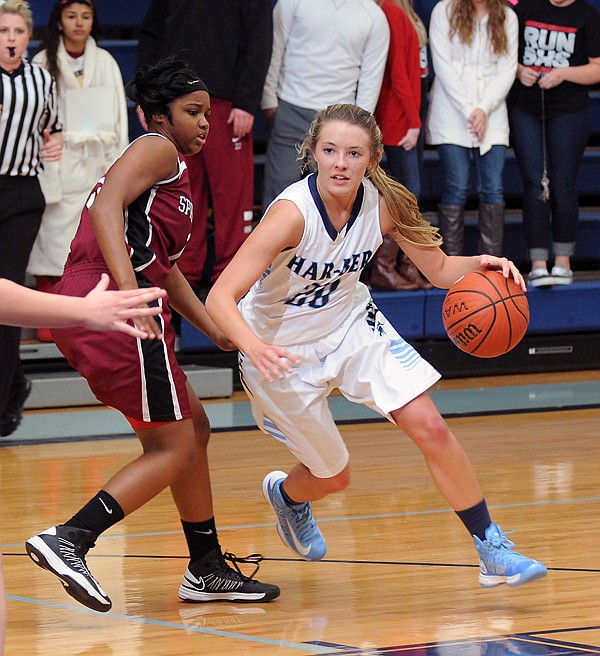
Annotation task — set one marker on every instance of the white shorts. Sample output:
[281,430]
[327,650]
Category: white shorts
[365,359]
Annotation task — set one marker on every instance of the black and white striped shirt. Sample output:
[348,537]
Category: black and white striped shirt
[29,106]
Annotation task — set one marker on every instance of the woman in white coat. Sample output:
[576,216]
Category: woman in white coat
[474,47]
[93,110]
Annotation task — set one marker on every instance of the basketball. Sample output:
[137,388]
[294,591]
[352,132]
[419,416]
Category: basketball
[485,314]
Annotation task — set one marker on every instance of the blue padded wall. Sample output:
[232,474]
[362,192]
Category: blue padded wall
[417,315]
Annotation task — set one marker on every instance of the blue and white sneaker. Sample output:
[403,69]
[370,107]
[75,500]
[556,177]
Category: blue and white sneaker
[499,563]
[295,524]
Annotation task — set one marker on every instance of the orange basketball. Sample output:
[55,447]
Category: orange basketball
[485,314]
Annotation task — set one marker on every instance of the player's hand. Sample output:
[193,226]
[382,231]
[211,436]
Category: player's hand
[272,361]
[114,310]
[508,268]
[146,325]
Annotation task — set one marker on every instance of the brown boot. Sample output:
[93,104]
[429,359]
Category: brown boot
[491,229]
[451,221]
[406,268]
[383,273]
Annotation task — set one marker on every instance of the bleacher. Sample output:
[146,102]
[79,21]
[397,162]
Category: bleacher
[565,322]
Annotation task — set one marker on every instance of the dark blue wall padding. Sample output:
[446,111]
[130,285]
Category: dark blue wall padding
[417,315]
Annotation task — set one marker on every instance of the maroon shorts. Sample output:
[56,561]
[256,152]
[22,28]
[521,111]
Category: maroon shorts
[140,378]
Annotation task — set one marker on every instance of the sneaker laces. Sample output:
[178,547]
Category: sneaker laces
[304,524]
[74,555]
[252,559]
[499,539]
[505,553]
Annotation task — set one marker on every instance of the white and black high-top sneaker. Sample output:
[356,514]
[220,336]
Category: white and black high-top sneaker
[212,579]
[61,550]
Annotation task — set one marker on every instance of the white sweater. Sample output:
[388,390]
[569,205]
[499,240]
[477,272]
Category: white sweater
[469,77]
[327,51]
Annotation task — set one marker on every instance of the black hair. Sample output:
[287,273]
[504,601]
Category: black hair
[154,87]
[53,34]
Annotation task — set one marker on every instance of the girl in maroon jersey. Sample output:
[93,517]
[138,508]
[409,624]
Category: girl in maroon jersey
[134,226]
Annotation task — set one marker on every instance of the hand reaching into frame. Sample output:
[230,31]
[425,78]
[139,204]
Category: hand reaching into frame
[113,310]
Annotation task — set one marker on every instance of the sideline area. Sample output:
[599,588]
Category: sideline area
[463,398]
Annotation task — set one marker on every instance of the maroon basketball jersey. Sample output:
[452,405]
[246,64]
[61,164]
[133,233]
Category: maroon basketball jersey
[157,227]
[141,378]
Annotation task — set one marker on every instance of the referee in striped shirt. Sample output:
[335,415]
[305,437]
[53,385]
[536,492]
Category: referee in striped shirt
[29,135]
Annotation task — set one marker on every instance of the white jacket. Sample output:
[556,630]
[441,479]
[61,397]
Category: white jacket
[94,137]
[469,77]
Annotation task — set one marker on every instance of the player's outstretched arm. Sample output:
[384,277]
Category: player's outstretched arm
[99,310]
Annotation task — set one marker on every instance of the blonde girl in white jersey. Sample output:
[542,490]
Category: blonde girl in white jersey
[306,325]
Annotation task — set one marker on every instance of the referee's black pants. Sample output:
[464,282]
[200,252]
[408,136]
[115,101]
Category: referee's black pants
[21,208]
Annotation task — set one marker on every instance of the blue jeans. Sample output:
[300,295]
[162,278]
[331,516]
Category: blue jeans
[566,139]
[455,162]
[404,166]
[407,166]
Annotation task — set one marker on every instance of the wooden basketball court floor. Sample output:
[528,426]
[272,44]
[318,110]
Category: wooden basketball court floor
[400,576]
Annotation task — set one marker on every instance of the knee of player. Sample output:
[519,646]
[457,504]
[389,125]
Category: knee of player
[183,457]
[433,433]
[201,430]
[202,436]
[338,482]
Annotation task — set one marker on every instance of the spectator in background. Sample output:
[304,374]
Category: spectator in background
[229,45]
[559,57]
[324,52]
[398,113]
[29,138]
[474,54]
[93,110]
[399,104]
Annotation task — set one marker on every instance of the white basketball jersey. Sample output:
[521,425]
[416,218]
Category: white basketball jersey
[308,291]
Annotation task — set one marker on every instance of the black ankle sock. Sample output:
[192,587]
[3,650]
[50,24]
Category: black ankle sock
[201,538]
[98,514]
[289,499]
[476,519]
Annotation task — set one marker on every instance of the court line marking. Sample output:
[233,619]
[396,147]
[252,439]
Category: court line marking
[169,625]
[345,518]
[316,647]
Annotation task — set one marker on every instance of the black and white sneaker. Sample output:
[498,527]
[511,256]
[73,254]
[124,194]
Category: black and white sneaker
[61,550]
[212,579]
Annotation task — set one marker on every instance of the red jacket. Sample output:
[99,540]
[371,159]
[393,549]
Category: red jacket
[400,97]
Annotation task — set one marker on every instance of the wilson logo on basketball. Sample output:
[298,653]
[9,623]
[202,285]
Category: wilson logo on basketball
[466,335]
